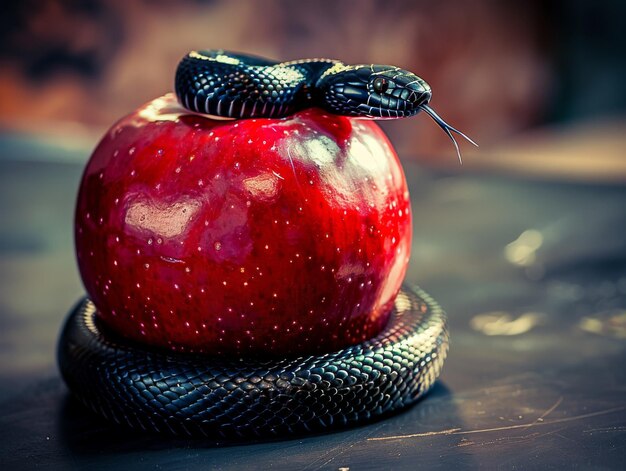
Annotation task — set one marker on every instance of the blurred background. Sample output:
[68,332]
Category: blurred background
[502,71]
[524,245]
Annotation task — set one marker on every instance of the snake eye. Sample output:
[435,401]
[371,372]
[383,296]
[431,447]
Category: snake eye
[380,85]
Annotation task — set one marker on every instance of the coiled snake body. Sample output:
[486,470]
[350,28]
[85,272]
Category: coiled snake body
[195,395]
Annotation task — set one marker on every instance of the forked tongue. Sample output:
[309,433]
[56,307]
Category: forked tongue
[447,129]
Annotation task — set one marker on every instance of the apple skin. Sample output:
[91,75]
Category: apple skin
[256,237]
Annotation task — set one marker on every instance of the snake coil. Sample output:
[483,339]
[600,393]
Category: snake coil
[194,395]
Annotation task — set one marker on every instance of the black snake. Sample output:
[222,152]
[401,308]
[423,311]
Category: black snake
[198,395]
[232,85]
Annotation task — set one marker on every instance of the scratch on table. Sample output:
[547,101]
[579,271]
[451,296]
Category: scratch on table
[459,431]
[341,448]
[548,412]
[327,462]
[522,438]
[551,409]
[328,452]
[449,431]
[616,429]
[465,442]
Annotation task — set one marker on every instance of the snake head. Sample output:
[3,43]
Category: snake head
[372,91]
[379,92]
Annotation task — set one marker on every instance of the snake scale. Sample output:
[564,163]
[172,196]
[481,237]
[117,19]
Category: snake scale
[195,395]
[185,394]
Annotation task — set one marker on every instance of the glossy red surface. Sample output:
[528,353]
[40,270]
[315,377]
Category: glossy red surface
[262,236]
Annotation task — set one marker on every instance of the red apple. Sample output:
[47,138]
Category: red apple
[260,236]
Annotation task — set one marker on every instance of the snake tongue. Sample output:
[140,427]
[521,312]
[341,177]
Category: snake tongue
[447,129]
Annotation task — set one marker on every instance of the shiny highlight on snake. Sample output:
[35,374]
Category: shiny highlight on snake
[239,86]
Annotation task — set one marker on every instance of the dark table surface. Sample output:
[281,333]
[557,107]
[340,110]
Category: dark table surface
[532,275]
